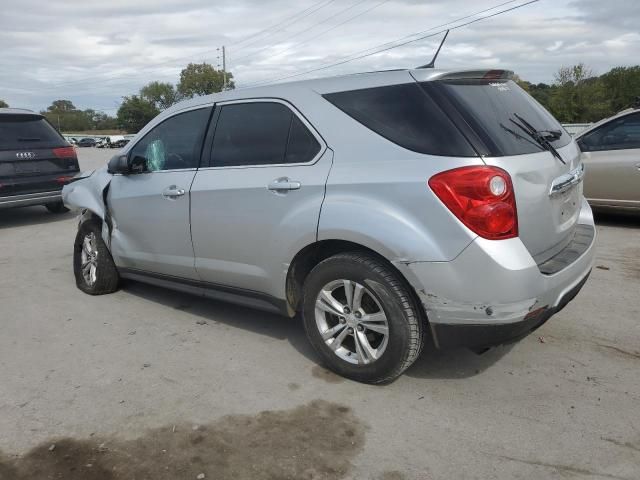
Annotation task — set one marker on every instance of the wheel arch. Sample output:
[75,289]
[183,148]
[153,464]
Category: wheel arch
[311,255]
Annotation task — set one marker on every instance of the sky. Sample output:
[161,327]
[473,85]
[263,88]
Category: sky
[95,52]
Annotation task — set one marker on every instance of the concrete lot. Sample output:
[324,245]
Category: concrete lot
[148,383]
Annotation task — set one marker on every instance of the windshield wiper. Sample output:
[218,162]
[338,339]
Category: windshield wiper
[541,137]
[521,137]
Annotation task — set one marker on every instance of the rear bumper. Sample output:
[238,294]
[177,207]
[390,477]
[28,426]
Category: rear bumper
[494,292]
[485,336]
[26,200]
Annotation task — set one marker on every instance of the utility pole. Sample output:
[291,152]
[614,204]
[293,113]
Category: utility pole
[224,68]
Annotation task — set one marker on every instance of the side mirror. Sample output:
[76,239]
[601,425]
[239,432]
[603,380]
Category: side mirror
[118,164]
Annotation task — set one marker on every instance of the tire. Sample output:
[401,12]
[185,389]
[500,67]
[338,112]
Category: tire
[104,278]
[362,354]
[56,207]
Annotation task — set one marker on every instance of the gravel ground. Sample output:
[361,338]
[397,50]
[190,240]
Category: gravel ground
[149,383]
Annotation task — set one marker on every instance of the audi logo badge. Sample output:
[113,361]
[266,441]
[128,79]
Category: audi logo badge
[26,155]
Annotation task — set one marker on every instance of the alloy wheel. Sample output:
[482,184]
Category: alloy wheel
[351,321]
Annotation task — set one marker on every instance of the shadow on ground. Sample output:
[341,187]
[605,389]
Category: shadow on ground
[211,311]
[613,218]
[25,216]
[453,363]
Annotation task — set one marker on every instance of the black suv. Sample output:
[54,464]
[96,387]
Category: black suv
[35,161]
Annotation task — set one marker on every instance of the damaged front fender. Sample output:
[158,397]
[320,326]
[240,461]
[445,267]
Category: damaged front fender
[87,192]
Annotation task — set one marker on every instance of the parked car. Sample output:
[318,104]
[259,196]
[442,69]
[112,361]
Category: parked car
[35,161]
[102,142]
[611,154]
[120,143]
[390,210]
[87,142]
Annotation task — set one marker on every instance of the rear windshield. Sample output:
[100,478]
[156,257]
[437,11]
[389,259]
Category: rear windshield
[405,115]
[492,107]
[27,131]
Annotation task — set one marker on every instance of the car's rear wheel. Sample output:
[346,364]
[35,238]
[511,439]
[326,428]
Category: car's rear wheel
[93,266]
[56,207]
[361,318]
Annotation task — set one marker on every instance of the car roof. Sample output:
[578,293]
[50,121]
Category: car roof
[332,84]
[622,113]
[17,111]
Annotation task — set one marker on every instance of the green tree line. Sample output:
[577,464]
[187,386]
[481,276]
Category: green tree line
[579,96]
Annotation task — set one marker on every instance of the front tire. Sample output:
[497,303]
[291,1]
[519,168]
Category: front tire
[93,266]
[56,207]
[361,318]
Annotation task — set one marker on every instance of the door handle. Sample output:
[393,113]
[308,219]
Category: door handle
[173,192]
[283,184]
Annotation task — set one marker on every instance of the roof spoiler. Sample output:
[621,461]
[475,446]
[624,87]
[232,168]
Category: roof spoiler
[476,75]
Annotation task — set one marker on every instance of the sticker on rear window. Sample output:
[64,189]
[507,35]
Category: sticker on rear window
[502,87]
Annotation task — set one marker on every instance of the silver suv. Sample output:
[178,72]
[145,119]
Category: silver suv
[389,209]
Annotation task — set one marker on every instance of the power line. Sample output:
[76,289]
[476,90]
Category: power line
[270,27]
[325,4]
[304,30]
[347,58]
[304,13]
[305,42]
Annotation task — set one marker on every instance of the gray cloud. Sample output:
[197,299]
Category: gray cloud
[96,52]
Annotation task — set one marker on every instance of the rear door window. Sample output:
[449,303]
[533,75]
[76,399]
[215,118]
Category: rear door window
[27,131]
[405,115]
[261,133]
[490,108]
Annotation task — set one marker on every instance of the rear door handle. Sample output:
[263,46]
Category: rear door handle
[173,192]
[283,184]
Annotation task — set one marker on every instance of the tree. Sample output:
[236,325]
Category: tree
[66,117]
[202,79]
[135,112]
[3,104]
[62,106]
[161,95]
[622,85]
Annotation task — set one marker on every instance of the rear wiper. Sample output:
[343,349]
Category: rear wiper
[541,137]
[520,137]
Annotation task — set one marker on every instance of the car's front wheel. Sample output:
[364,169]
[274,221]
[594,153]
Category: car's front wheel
[361,318]
[93,266]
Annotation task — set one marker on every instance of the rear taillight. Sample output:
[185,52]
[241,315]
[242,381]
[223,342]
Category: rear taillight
[64,180]
[65,152]
[480,197]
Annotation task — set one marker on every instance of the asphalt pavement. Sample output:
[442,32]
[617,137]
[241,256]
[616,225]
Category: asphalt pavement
[150,383]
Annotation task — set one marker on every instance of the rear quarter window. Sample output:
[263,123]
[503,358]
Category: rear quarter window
[405,115]
[27,131]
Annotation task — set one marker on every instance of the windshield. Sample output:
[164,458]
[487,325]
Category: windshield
[490,108]
[27,131]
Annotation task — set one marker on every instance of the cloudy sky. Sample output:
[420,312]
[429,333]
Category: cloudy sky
[94,52]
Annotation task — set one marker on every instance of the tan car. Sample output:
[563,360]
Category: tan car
[611,154]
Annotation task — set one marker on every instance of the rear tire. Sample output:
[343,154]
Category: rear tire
[93,266]
[380,331]
[56,207]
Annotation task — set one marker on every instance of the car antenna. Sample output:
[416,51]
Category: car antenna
[432,63]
